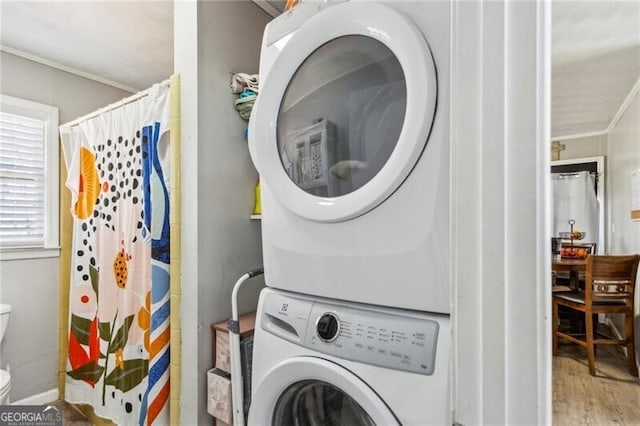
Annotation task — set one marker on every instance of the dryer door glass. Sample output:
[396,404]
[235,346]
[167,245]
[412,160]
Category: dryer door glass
[341,115]
[312,402]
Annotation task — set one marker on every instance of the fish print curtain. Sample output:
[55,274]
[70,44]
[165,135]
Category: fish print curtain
[118,170]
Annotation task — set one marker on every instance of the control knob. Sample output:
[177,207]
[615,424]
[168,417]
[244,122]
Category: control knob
[328,327]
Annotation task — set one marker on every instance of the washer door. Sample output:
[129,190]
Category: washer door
[345,112]
[310,391]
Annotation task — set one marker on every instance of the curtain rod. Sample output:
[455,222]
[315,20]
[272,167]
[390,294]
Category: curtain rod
[115,105]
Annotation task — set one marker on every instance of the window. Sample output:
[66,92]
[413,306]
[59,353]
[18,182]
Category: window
[28,178]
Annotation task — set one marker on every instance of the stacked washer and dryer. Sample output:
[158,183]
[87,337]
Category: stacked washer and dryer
[350,137]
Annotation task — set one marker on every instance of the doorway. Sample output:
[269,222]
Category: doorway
[597,139]
[563,171]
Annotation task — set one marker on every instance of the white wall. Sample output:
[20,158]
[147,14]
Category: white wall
[590,146]
[30,346]
[623,156]
[219,242]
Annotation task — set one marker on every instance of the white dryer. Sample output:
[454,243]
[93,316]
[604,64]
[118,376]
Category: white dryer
[321,361]
[350,137]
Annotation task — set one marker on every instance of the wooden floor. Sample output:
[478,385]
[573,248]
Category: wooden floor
[71,416]
[611,397]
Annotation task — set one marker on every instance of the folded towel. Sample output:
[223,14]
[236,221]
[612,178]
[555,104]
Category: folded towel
[240,81]
[247,92]
[245,99]
[245,115]
[244,108]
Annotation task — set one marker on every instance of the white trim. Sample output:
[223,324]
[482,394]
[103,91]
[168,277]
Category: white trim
[39,399]
[597,159]
[618,334]
[65,68]
[29,253]
[625,104]
[189,391]
[543,213]
[466,196]
[48,114]
[52,172]
[579,135]
[500,141]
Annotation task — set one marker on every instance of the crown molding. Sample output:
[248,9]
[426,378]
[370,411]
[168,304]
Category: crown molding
[65,68]
[625,104]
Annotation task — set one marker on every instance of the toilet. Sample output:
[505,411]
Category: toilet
[5,377]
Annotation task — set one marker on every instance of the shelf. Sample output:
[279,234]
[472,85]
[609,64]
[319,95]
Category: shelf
[247,324]
[256,216]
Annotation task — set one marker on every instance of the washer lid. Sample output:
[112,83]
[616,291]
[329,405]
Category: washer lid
[289,392]
[345,112]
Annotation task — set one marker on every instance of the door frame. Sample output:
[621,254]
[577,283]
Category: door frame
[600,196]
[500,204]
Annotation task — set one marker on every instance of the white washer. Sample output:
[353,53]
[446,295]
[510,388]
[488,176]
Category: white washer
[321,361]
[350,137]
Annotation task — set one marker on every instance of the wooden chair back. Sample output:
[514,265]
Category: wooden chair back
[611,279]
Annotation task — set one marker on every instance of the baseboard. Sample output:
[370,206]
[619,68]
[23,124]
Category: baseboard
[615,330]
[39,399]
[619,335]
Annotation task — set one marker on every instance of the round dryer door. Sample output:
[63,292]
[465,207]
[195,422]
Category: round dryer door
[310,391]
[345,111]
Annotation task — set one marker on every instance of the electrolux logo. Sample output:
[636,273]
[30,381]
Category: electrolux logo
[30,415]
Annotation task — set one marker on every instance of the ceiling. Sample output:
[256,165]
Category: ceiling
[595,49]
[595,63]
[129,43]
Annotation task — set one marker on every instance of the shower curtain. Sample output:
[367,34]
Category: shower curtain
[574,198]
[118,170]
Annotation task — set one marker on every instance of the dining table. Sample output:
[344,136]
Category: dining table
[572,265]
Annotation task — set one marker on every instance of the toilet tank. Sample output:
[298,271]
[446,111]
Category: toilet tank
[5,310]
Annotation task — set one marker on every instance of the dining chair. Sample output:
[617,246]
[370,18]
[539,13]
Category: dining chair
[609,289]
[556,286]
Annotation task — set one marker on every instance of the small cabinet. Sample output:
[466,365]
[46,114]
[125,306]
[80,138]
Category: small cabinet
[219,379]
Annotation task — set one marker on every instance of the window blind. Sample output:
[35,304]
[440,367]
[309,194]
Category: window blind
[22,181]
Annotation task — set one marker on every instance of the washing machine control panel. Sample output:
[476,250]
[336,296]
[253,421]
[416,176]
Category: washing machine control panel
[385,337]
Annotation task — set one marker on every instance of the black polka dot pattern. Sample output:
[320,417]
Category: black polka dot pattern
[119,165]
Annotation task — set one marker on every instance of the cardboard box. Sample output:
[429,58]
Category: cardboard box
[219,403]
[223,355]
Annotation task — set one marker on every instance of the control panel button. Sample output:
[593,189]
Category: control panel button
[328,327]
